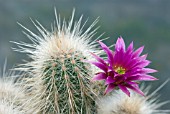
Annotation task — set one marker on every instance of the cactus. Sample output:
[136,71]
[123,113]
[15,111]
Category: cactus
[68,80]
[120,103]
[7,107]
[10,94]
[57,79]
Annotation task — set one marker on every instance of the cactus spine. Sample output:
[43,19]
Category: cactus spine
[119,103]
[10,94]
[67,80]
[57,80]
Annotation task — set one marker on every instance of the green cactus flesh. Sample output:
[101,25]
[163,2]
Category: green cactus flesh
[67,81]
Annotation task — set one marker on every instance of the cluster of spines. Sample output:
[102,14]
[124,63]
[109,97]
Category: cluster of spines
[119,103]
[10,93]
[67,81]
[57,79]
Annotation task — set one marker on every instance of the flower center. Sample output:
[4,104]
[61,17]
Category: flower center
[120,70]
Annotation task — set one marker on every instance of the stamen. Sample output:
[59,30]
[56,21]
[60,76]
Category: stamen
[120,70]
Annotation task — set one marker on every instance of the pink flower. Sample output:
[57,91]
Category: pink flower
[123,67]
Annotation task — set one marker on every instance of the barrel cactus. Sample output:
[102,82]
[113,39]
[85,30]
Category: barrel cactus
[119,103]
[10,94]
[57,80]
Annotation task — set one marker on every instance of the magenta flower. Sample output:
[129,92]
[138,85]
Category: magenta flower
[123,67]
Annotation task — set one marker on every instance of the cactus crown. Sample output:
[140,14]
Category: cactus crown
[57,80]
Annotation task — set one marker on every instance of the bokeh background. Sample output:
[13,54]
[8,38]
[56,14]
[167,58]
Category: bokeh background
[146,22]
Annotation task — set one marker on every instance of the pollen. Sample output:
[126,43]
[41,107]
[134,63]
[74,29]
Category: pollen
[120,70]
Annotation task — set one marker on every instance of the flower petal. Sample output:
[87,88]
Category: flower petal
[120,78]
[107,50]
[124,89]
[119,57]
[99,65]
[138,52]
[99,76]
[109,88]
[128,55]
[147,70]
[130,48]
[136,89]
[142,64]
[142,77]
[98,58]
[109,80]
[120,44]
[140,71]
[143,57]
[132,83]
[133,62]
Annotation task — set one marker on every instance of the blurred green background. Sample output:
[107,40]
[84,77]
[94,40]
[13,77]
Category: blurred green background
[146,22]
